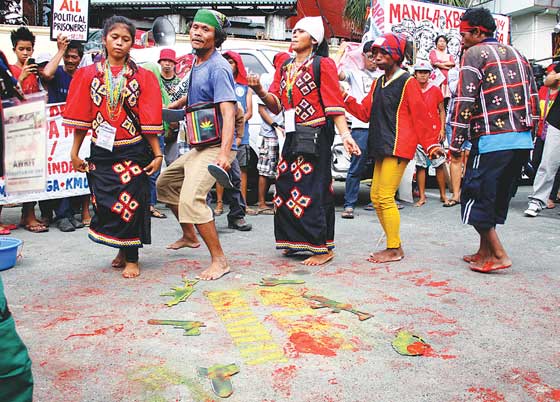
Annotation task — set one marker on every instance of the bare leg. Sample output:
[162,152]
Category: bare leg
[455,170]
[482,252]
[440,177]
[86,216]
[119,261]
[421,180]
[244,184]
[497,257]
[219,265]
[219,200]
[189,238]
[264,185]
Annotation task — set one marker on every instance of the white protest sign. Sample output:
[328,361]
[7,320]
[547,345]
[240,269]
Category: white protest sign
[70,19]
[61,179]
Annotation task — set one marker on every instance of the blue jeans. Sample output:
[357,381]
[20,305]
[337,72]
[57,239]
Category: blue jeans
[357,164]
[154,177]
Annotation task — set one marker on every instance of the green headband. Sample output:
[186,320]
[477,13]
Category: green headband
[212,18]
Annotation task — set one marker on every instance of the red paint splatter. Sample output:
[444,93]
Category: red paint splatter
[58,320]
[43,364]
[443,333]
[333,381]
[436,318]
[419,348]
[486,395]
[321,345]
[70,375]
[439,355]
[281,379]
[533,385]
[101,331]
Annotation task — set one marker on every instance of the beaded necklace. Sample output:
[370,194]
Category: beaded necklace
[293,71]
[114,86]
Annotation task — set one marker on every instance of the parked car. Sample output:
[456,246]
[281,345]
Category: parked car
[257,58]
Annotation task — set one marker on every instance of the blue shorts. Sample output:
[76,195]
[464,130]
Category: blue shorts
[488,186]
[448,133]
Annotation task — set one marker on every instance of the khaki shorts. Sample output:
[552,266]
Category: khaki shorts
[186,183]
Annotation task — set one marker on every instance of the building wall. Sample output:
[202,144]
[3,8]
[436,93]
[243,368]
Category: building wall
[532,35]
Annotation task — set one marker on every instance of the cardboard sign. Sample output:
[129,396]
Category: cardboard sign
[70,19]
[58,178]
[25,144]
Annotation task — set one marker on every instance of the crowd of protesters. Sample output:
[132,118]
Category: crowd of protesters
[485,108]
[308,95]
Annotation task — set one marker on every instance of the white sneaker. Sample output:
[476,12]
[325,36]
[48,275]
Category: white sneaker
[532,210]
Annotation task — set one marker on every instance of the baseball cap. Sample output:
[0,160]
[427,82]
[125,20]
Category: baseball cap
[422,65]
[43,58]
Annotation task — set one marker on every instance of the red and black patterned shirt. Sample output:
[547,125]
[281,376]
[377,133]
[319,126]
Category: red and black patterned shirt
[86,105]
[305,95]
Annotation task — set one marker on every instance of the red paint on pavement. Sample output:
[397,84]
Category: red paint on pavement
[534,386]
[281,379]
[486,395]
[323,345]
[58,320]
[101,331]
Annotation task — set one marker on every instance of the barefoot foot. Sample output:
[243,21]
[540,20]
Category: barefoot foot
[318,259]
[131,270]
[184,242]
[420,202]
[490,264]
[288,252]
[387,255]
[215,271]
[118,261]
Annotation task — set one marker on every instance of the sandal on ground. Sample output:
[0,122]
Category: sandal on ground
[450,203]
[251,211]
[4,231]
[8,226]
[157,214]
[86,222]
[348,213]
[37,228]
[219,208]
[265,211]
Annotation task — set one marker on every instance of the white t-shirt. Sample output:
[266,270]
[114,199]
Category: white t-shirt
[360,83]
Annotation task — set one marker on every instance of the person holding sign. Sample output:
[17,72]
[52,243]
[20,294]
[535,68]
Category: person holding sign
[306,87]
[106,97]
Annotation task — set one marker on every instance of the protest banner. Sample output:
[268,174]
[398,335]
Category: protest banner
[60,180]
[70,19]
[422,22]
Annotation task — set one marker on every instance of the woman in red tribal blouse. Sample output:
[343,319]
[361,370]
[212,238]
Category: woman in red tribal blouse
[307,89]
[121,103]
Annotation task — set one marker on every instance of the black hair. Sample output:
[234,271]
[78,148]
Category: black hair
[367,46]
[480,17]
[77,46]
[110,23]
[322,49]
[22,34]
[220,37]
[441,37]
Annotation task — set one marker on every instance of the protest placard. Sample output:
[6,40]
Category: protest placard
[70,19]
[60,179]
